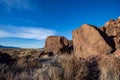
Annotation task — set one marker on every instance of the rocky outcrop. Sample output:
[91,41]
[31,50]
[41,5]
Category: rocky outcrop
[56,44]
[112,29]
[88,41]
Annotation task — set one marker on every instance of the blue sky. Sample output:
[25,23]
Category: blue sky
[27,23]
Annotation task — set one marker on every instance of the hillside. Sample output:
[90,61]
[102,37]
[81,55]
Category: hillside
[8,47]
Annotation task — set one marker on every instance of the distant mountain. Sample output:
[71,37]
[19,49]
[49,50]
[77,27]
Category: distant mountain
[8,47]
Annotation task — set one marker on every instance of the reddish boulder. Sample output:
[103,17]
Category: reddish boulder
[88,41]
[56,44]
[112,29]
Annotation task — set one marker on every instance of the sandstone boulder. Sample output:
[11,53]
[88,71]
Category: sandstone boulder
[88,41]
[56,44]
[112,29]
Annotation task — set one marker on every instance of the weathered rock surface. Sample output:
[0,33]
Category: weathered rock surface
[112,29]
[117,53]
[56,44]
[88,41]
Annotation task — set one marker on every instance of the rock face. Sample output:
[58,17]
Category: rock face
[88,41]
[117,53]
[112,29]
[56,44]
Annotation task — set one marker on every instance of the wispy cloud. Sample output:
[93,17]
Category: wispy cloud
[26,21]
[3,33]
[25,32]
[17,4]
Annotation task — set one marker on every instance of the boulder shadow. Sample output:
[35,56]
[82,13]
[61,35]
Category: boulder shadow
[93,69]
[108,39]
[5,58]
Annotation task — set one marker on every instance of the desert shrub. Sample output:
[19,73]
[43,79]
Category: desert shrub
[18,73]
[51,69]
[74,69]
[49,73]
[42,70]
[41,74]
[109,68]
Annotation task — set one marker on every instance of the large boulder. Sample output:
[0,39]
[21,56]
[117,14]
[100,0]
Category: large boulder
[56,44]
[112,29]
[88,41]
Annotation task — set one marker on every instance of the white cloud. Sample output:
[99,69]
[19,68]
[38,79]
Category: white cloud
[18,4]
[3,33]
[25,32]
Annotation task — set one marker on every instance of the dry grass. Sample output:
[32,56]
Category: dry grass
[61,67]
[46,71]
[74,69]
[109,68]
[18,52]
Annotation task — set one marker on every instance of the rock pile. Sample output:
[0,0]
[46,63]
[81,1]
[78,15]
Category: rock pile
[88,40]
